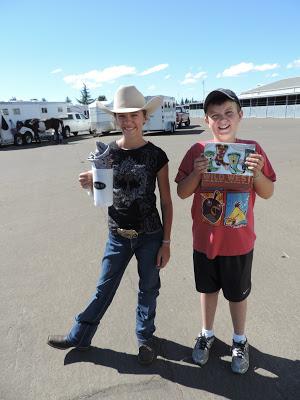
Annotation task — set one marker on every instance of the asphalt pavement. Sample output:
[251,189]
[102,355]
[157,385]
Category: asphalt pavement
[52,239]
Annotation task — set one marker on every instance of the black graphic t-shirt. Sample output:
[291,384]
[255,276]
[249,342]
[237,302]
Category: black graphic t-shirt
[134,200]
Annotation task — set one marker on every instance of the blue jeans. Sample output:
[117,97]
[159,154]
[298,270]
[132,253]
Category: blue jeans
[118,253]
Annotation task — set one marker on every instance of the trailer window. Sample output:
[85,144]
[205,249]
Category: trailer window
[59,109]
[77,116]
[16,111]
[44,110]
[5,111]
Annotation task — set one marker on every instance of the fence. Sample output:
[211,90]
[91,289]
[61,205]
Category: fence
[282,111]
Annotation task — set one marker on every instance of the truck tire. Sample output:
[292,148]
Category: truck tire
[18,140]
[27,138]
[75,133]
[180,124]
[188,122]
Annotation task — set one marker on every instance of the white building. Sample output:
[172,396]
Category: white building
[280,99]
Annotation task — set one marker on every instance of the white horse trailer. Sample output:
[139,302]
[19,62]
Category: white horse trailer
[164,117]
[101,121]
[15,111]
[26,134]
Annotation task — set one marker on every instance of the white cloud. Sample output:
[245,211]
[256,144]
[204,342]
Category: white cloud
[151,88]
[244,67]
[167,76]
[266,67]
[56,71]
[294,64]
[156,68]
[96,78]
[191,78]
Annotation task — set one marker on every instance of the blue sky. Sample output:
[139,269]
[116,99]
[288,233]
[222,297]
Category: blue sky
[49,48]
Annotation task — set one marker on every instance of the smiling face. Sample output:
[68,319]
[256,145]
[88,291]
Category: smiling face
[132,123]
[223,120]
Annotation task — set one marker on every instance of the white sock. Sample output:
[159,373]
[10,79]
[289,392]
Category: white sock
[207,333]
[239,338]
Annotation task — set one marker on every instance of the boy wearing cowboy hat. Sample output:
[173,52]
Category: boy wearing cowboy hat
[135,227]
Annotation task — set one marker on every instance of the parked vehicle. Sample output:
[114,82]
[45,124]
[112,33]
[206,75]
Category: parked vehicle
[29,131]
[16,113]
[164,118]
[182,116]
[76,122]
[101,122]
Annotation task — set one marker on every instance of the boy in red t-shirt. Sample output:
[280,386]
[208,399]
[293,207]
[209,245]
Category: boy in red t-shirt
[223,225]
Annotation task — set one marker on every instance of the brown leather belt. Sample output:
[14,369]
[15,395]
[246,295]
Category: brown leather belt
[127,233]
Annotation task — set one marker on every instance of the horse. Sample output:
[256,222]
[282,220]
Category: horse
[43,125]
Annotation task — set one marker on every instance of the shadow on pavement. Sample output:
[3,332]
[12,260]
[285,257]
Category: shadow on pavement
[269,377]
[185,130]
[46,143]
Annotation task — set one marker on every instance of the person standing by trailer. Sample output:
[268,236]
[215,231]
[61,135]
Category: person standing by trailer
[135,227]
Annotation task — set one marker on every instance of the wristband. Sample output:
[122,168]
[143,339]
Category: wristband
[166,241]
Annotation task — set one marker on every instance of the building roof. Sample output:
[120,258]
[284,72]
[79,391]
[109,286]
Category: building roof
[283,86]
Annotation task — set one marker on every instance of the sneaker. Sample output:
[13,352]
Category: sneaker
[147,354]
[201,350]
[240,357]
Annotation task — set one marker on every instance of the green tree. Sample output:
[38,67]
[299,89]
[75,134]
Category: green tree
[43,99]
[102,98]
[85,96]
[68,100]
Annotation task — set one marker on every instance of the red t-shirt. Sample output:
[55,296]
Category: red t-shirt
[223,220]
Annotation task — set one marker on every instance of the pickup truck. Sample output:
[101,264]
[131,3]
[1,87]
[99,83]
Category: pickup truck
[76,122]
[182,117]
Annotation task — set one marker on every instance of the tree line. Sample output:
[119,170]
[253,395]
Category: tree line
[87,99]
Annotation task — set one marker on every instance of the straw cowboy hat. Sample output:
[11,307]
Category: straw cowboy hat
[128,99]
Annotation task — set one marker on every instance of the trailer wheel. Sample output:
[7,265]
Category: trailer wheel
[18,140]
[188,122]
[75,133]
[27,138]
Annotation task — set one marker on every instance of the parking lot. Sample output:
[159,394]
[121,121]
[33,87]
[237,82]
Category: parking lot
[52,239]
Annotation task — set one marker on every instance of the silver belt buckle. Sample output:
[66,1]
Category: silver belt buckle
[127,233]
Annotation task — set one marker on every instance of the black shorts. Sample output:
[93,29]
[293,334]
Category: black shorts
[232,274]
